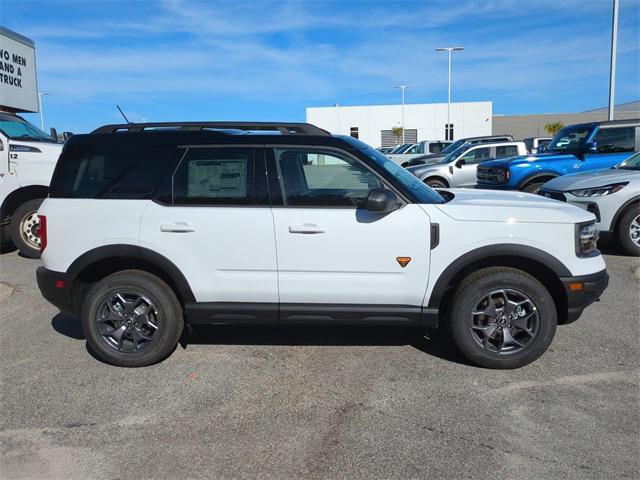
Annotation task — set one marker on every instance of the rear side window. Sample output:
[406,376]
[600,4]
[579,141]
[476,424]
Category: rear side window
[110,172]
[506,151]
[217,176]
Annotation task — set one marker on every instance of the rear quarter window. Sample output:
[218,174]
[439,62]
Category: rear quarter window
[110,172]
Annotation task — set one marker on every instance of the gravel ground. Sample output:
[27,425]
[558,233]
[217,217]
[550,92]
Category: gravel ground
[317,402]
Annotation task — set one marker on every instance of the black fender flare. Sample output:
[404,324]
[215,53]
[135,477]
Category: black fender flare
[123,251]
[21,195]
[487,253]
[535,176]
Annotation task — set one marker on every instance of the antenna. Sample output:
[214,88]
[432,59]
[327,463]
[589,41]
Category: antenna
[122,113]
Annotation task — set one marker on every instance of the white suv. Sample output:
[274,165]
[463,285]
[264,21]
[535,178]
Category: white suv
[220,223]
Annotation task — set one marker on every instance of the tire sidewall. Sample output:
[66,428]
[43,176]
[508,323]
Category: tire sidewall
[467,299]
[16,227]
[623,231]
[435,183]
[170,319]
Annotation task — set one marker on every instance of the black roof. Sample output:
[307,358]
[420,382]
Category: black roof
[608,123]
[229,128]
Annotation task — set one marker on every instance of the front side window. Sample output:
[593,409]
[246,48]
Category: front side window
[614,140]
[214,176]
[569,139]
[477,155]
[312,178]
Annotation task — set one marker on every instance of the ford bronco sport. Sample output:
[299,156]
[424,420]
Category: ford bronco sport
[151,227]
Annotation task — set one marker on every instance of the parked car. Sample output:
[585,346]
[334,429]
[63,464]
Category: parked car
[27,159]
[417,150]
[209,223]
[612,195]
[385,150]
[401,148]
[536,144]
[575,148]
[435,157]
[458,169]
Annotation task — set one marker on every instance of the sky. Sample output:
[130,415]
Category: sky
[235,60]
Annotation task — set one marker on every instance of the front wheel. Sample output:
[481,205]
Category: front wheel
[629,231]
[25,228]
[502,318]
[435,183]
[132,319]
[533,187]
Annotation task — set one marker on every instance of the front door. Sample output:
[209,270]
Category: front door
[613,145]
[464,175]
[333,254]
[213,221]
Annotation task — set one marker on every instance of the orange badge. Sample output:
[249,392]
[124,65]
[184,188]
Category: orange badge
[403,261]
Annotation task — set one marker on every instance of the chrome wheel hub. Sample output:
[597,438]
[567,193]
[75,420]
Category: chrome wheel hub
[504,321]
[30,229]
[634,231]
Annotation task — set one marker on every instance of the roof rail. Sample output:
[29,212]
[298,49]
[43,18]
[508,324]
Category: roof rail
[283,128]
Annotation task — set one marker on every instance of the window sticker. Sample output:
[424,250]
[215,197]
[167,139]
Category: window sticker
[217,178]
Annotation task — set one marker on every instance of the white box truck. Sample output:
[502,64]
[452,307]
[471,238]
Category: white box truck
[27,154]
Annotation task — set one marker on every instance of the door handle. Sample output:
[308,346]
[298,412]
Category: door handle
[306,228]
[177,227]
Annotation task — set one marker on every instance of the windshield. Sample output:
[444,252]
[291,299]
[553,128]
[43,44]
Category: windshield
[18,129]
[569,139]
[421,192]
[631,163]
[453,146]
[399,147]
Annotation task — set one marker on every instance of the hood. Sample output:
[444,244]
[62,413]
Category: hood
[541,157]
[592,179]
[500,206]
[420,170]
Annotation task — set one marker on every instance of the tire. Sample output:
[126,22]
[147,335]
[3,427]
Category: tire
[629,231]
[435,183]
[405,165]
[533,187]
[494,350]
[159,305]
[24,228]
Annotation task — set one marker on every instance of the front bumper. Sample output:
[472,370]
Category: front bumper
[495,186]
[582,291]
[56,287]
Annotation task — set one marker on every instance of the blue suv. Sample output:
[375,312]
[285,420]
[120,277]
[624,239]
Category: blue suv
[575,148]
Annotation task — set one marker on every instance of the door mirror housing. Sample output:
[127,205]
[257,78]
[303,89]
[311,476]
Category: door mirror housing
[460,163]
[590,147]
[381,200]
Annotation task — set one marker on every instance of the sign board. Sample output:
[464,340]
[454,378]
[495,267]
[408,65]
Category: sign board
[18,87]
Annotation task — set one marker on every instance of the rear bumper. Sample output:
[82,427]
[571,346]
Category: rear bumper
[582,291]
[56,288]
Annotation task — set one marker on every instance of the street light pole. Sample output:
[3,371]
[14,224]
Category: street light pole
[612,69]
[40,95]
[402,88]
[449,50]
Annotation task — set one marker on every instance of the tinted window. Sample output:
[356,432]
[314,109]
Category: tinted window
[110,172]
[569,139]
[436,147]
[477,155]
[323,178]
[610,140]
[506,151]
[214,176]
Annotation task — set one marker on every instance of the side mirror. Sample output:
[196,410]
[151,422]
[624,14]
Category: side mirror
[381,200]
[460,163]
[590,147]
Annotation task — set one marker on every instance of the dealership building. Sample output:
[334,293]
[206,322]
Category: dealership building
[373,124]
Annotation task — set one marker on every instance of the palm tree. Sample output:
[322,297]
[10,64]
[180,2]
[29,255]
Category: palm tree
[397,131]
[553,128]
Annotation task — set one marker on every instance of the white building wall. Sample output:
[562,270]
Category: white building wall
[469,119]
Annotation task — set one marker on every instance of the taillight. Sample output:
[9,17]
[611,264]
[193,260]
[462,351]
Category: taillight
[43,232]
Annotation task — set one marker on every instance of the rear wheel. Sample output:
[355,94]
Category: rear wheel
[25,228]
[629,231]
[502,318]
[435,183]
[132,319]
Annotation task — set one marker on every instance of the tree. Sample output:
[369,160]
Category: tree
[397,131]
[553,128]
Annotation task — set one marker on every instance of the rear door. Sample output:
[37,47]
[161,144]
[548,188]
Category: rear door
[213,221]
[333,254]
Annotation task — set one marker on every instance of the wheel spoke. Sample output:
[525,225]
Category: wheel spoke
[508,340]
[522,322]
[118,335]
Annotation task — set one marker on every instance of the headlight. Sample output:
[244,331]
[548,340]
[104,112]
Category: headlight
[502,175]
[598,191]
[586,239]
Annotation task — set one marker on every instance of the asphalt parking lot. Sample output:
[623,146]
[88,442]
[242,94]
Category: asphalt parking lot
[317,402]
